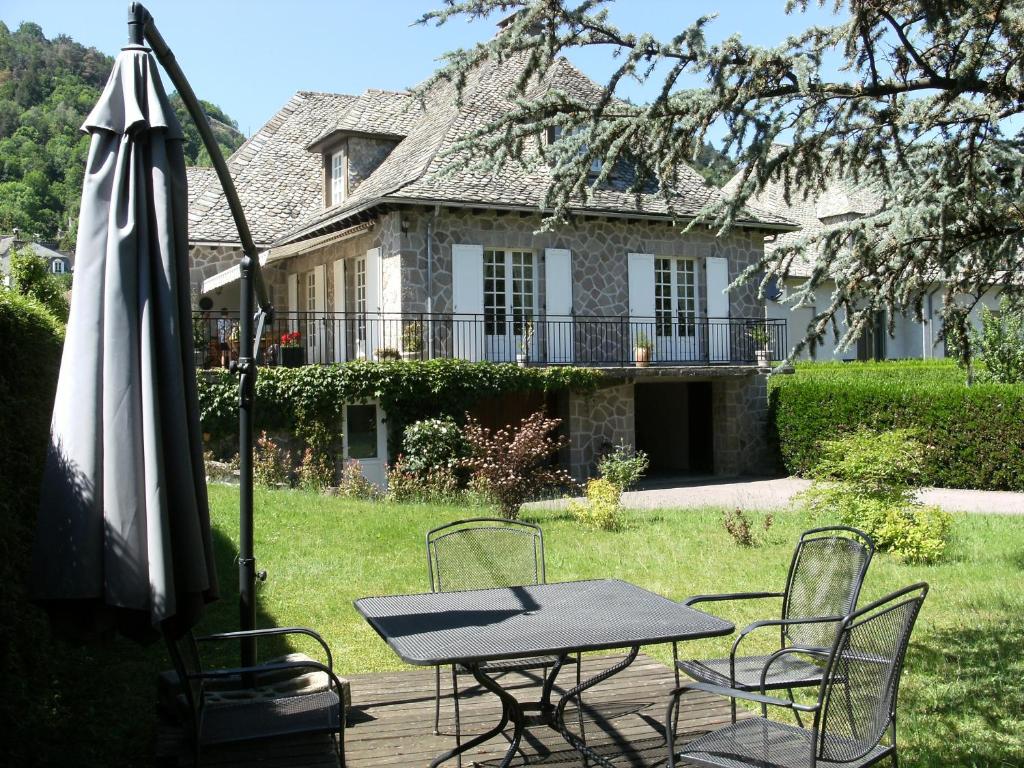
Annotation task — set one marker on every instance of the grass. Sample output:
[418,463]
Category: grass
[961,703]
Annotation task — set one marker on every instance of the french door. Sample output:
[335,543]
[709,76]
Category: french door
[675,310]
[313,320]
[510,284]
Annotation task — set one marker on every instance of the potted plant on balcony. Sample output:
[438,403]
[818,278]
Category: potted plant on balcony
[642,350]
[523,355]
[292,353]
[387,353]
[762,346]
[412,340]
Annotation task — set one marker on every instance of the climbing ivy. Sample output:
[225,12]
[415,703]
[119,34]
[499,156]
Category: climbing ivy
[307,399]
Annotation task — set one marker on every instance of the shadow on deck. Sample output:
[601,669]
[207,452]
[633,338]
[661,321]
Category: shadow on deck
[392,719]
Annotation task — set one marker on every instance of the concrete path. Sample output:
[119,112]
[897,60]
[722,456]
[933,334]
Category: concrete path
[759,493]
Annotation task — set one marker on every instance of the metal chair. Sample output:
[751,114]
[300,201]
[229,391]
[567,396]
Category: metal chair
[824,581]
[481,553]
[254,703]
[855,709]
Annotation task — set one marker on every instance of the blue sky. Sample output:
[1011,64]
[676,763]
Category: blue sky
[249,57]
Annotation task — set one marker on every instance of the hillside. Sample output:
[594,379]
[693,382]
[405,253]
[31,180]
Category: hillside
[47,87]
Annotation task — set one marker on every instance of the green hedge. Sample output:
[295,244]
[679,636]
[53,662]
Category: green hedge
[975,434]
[296,399]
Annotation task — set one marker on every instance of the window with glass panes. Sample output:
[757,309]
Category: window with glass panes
[361,297]
[337,178]
[675,296]
[509,286]
[311,307]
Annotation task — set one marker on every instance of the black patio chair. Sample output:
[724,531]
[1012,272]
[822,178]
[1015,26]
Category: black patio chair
[480,553]
[263,701]
[854,711]
[824,581]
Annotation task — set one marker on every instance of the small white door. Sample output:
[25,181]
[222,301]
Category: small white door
[641,302]
[340,346]
[365,440]
[720,341]
[676,336]
[559,328]
[467,301]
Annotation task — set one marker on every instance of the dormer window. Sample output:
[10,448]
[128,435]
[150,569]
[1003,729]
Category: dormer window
[555,133]
[57,266]
[337,178]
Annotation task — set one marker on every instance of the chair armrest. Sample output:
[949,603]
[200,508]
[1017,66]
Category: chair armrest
[693,600]
[775,623]
[270,632]
[732,693]
[785,652]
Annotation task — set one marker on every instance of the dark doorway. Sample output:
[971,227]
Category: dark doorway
[674,426]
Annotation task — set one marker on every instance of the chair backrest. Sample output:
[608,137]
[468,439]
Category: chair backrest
[184,652]
[484,552]
[859,690]
[825,577]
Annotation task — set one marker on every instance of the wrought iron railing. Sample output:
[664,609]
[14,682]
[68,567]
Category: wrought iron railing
[304,338]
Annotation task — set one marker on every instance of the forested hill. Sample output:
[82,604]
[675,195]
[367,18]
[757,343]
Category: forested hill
[47,87]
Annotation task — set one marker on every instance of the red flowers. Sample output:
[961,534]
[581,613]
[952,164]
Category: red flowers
[291,339]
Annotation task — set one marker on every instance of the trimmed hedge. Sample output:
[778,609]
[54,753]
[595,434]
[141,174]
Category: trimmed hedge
[300,399]
[975,434]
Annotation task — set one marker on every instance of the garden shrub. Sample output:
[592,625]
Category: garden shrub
[868,480]
[974,433]
[511,465]
[998,348]
[602,507]
[743,530]
[353,484]
[438,485]
[272,464]
[432,444]
[623,466]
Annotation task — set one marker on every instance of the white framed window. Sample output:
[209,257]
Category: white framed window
[675,296]
[311,325]
[337,178]
[57,266]
[510,279]
[360,296]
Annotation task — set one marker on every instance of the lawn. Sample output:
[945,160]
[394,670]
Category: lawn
[961,703]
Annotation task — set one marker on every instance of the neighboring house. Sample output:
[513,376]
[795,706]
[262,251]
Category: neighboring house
[60,262]
[371,249]
[841,202]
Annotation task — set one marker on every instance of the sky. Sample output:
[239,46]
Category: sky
[250,56]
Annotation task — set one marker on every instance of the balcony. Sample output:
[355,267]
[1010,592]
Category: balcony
[306,338]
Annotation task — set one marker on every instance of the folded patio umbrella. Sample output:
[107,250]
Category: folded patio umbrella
[123,540]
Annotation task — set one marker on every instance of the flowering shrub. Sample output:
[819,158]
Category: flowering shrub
[510,465]
[602,508]
[316,470]
[292,339]
[272,464]
[742,528]
[434,485]
[431,444]
[353,484]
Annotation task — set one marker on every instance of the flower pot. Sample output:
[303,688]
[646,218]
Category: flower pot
[293,357]
[410,356]
[522,360]
[762,357]
[643,356]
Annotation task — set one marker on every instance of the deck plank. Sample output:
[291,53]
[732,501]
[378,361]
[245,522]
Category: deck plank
[392,718]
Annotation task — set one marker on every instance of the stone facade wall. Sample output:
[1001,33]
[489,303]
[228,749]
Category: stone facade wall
[205,261]
[596,421]
[364,155]
[739,408]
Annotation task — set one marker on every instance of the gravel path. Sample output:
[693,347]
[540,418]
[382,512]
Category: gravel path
[758,493]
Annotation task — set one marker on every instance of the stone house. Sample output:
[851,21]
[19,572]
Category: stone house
[59,262]
[843,201]
[374,248]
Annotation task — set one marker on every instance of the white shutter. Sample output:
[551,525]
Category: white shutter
[641,299]
[558,305]
[340,347]
[319,307]
[374,340]
[716,269]
[468,300]
[293,301]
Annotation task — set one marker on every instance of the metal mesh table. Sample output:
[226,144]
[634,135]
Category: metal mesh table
[560,619]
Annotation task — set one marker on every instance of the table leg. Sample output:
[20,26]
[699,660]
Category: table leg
[575,741]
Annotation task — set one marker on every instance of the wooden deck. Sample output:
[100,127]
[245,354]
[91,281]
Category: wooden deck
[392,718]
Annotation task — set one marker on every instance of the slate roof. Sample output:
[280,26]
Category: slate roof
[282,190]
[840,201]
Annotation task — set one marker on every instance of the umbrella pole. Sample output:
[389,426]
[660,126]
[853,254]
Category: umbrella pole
[253,289]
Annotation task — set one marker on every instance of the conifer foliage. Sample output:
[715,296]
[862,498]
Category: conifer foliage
[924,109]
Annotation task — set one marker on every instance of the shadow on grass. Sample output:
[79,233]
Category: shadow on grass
[962,698]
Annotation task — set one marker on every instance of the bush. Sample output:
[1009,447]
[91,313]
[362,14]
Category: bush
[868,480]
[316,470]
[436,486]
[432,444]
[999,347]
[974,435]
[272,465]
[353,484]
[31,276]
[602,507]
[624,466]
[742,529]
[511,465]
